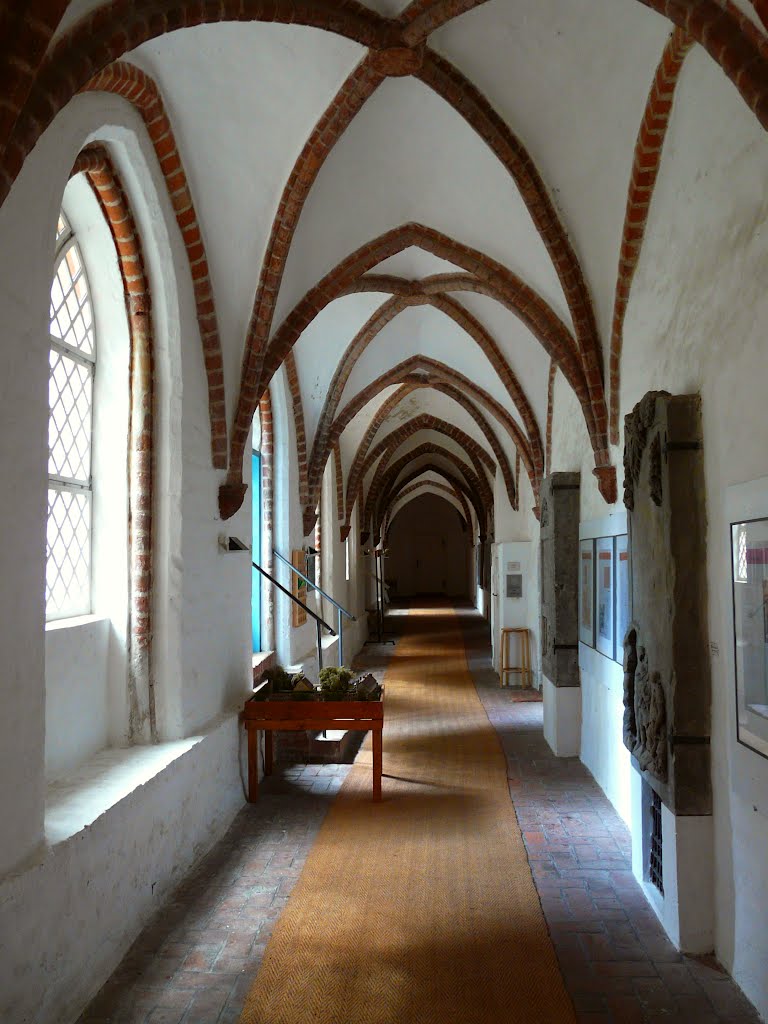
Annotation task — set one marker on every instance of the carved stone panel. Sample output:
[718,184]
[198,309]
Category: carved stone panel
[559,499]
[666,658]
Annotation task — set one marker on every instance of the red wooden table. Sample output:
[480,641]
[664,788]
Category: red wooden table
[297,715]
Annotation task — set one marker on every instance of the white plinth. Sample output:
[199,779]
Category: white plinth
[562,718]
[686,908]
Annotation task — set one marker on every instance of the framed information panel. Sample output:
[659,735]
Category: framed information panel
[604,596]
[621,567]
[587,592]
[749,558]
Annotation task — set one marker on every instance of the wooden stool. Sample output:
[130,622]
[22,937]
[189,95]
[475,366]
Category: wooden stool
[524,668]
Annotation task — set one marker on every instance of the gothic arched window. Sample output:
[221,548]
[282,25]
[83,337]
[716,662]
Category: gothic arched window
[70,404]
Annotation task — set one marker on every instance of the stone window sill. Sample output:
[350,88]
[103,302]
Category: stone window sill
[73,623]
[77,800]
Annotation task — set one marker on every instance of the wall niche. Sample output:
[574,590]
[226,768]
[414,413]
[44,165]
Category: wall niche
[667,689]
[559,502]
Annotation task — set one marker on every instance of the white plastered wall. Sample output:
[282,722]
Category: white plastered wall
[522,526]
[694,324]
[55,880]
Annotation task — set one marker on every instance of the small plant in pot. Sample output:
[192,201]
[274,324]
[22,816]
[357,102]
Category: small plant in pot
[334,682]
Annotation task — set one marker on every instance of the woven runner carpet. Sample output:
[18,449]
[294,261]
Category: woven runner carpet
[422,908]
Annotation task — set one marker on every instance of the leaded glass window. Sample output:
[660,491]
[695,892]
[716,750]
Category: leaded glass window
[72,362]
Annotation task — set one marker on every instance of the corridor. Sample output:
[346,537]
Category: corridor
[198,959]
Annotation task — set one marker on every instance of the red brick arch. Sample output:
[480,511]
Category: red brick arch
[339,477]
[458,485]
[422,17]
[26,30]
[384,478]
[376,323]
[292,376]
[421,372]
[135,86]
[482,512]
[543,323]
[424,422]
[38,91]
[94,161]
[550,412]
[645,169]
[29,106]
[389,445]
[358,87]
[448,82]
[440,378]
[465,514]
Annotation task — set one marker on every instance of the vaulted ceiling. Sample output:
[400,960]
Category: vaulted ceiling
[419,211]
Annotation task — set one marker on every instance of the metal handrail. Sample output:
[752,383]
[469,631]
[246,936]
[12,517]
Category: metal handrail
[311,583]
[340,610]
[319,623]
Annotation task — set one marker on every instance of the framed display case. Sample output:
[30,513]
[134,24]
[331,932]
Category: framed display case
[587,592]
[604,590]
[622,573]
[749,562]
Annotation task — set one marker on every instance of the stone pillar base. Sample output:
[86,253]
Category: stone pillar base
[562,718]
[686,908]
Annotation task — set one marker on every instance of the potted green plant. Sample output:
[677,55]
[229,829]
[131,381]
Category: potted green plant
[334,682]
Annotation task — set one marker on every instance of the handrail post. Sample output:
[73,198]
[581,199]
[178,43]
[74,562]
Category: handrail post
[283,590]
[312,584]
[319,647]
[340,626]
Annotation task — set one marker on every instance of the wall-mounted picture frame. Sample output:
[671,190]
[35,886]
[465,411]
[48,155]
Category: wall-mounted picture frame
[749,561]
[587,592]
[622,615]
[604,610]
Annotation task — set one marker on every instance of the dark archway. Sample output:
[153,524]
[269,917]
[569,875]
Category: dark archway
[428,551]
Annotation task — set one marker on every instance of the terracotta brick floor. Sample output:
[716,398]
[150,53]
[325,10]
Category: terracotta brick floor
[194,963]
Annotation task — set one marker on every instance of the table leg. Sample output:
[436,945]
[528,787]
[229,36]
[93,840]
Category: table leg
[267,751]
[377,765]
[253,766]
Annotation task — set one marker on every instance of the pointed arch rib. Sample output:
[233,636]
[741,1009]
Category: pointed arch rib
[465,514]
[107,33]
[482,514]
[376,323]
[645,169]
[358,87]
[420,372]
[135,86]
[363,461]
[448,82]
[384,478]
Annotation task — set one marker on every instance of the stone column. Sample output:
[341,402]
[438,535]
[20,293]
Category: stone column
[559,500]
[666,658]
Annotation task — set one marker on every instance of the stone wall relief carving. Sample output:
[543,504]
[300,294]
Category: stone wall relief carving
[645,709]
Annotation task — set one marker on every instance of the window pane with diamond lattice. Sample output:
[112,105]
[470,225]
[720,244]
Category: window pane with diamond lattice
[68,554]
[71,314]
[70,400]
[70,403]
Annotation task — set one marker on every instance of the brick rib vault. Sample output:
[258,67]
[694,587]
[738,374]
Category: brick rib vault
[44,69]
[473,346]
